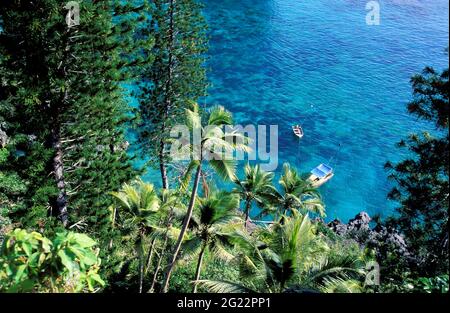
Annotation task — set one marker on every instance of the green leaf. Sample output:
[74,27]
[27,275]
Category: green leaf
[84,241]
[27,247]
[68,260]
[20,273]
[98,279]
[89,259]
[33,260]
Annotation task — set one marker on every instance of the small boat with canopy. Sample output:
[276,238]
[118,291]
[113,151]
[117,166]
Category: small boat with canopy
[298,131]
[320,175]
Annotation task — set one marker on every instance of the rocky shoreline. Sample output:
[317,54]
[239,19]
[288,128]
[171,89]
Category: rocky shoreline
[382,239]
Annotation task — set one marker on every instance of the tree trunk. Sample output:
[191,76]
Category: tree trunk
[184,228]
[168,95]
[141,261]
[205,184]
[58,170]
[158,265]
[58,159]
[150,255]
[163,250]
[247,212]
[199,267]
[162,165]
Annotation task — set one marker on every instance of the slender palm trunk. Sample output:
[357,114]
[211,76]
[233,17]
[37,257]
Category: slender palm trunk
[282,286]
[141,261]
[158,265]
[205,185]
[150,255]
[184,228]
[151,251]
[247,212]
[199,267]
[163,251]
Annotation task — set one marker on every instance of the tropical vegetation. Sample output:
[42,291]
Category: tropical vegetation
[78,215]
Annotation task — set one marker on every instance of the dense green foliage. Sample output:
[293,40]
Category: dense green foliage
[422,181]
[292,257]
[32,262]
[62,108]
[69,195]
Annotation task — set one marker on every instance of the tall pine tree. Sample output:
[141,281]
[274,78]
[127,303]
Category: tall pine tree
[176,76]
[62,105]
[422,180]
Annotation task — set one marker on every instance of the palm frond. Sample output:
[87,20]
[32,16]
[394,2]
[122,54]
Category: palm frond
[219,116]
[172,232]
[122,198]
[340,285]
[221,253]
[193,119]
[226,169]
[313,206]
[186,178]
[191,248]
[217,286]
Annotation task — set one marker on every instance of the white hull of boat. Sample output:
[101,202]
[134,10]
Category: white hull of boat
[317,182]
[298,131]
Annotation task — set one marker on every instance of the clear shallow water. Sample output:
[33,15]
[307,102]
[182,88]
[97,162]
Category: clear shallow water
[270,60]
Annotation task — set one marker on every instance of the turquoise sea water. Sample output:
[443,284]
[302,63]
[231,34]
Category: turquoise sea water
[270,60]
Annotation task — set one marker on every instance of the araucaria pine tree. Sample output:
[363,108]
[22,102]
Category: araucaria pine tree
[422,180]
[176,76]
[62,105]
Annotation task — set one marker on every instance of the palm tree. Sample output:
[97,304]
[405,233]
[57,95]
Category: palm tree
[173,211]
[291,256]
[256,188]
[213,139]
[140,204]
[298,194]
[213,224]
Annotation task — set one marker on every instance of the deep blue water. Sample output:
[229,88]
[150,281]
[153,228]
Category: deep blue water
[270,60]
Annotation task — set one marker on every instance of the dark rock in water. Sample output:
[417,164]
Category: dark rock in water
[338,227]
[360,222]
[380,238]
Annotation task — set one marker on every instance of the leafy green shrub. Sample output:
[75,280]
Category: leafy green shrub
[30,262]
[437,284]
[214,269]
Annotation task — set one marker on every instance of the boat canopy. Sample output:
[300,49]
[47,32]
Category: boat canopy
[322,170]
